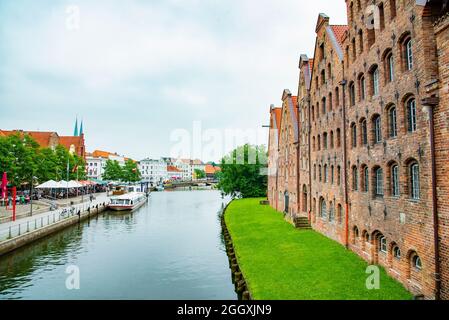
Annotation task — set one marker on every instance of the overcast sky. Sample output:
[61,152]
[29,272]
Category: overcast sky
[142,72]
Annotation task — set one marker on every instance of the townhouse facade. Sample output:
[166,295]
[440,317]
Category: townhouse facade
[153,171]
[373,121]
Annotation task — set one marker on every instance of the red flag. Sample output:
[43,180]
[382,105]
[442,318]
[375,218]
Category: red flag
[4,185]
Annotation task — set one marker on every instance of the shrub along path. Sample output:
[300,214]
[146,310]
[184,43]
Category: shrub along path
[281,262]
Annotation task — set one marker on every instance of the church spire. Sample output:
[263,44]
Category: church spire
[81,129]
[75,132]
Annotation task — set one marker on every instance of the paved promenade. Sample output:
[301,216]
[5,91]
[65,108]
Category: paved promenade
[36,221]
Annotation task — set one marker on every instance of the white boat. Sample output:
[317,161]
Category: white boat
[128,201]
[160,188]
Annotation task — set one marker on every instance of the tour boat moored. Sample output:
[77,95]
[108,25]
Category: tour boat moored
[128,201]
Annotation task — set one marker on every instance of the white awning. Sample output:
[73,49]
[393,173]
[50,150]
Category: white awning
[49,185]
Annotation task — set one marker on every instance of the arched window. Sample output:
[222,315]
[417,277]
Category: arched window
[332,139]
[325,141]
[317,110]
[361,41]
[392,9]
[319,142]
[377,128]
[323,76]
[339,213]
[408,54]
[337,96]
[416,262]
[313,113]
[381,16]
[392,122]
[354,50]
[325,173]
[352,94]
[330,101]
[313,143]
[374,81]
[411,115]
[355,232]
[304,198]
[394,180]
[365,178]
[314,172]
[396,252]
[414,181]
[331,212]
[355,179]
[329,70]
[353,135]
[332,175]
[389,66]
[338,175]
[362,86]
[364,132]
[320,173]
[378,182]
[382,244]
[323,208]
[338,138]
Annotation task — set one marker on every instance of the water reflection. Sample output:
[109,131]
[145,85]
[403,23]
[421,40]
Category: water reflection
[171,248]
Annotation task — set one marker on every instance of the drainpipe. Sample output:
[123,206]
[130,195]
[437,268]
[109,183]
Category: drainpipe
[430,104]
[310,157]
[345,160]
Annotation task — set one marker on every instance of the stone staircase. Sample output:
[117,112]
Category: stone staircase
[302,223]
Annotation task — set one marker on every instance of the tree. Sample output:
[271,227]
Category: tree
[243,172]
[200,174]
[112,171]
[130,172]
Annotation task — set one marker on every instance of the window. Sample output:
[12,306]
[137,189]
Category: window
[395,180]
[417,262]
[313,113]
[332,175]
[389,66]
[355,179]
[414,181]
[330,101]
[354,50]
[329,70]
[338,138]
[354,135]
[396,252]
[364,132]
[323,76]
[319,142]
[338,175]
[365,177]
[352,93]
[377,129]
[392,122]
[375,81]
[314,172]
[378,182]
[408,54]
[382,244]
[320,173]
[323,105]
[325,141]
[392,9]
[325,174]
[361,41]
[323,209]
[332,139]
[337,96]
[411,115]
[331,212]
[381,16]
[340,214]
[362,88]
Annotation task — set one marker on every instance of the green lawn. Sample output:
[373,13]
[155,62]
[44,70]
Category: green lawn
[281,262]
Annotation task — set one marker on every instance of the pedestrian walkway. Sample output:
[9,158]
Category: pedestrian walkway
[13,229]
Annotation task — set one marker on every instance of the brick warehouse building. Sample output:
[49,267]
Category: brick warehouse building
[373,139]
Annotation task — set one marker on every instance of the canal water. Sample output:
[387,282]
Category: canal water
[171,248]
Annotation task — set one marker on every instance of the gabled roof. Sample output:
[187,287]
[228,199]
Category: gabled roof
[339,31]
[337,35]
[173,169]
[41,137]
[293,110]
[210,169]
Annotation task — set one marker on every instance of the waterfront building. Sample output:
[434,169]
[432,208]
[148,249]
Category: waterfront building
[153,171]
[49,139]
[174,173]
[96,162]
[373,132]
[273,156]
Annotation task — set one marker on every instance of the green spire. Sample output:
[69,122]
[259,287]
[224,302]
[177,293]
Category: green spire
[81,128]
[75,132]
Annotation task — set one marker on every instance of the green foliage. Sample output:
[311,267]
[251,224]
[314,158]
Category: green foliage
[243,172]
[130,172]
[283,263]
[22,159]
[200,174]
[112,171]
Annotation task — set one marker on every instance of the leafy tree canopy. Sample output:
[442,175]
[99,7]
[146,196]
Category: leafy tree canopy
[243,172]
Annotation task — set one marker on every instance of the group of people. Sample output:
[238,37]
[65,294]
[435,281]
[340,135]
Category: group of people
[21,199]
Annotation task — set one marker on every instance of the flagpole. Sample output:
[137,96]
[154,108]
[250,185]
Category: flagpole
[68,169]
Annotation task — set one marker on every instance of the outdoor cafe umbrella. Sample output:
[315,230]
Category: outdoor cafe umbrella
[49,185]
[74,184]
